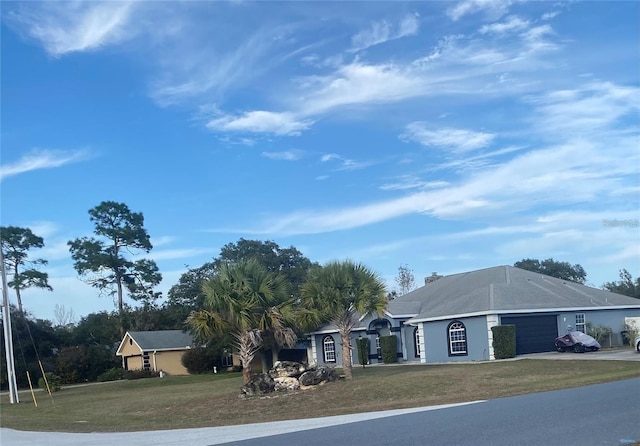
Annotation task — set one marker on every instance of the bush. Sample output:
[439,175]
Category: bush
[202,359]
[630,332]
[504,341]
[388,349]
[363,351]
[113,374]
[139,374]
[82,363]
[54,382]
[599,332]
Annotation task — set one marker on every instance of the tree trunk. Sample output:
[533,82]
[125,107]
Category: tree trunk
[17,287]
[246,372]
[120,306]
[19,300]
[346,354]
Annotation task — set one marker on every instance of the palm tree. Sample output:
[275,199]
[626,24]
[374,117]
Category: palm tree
[341,292]
[245,301]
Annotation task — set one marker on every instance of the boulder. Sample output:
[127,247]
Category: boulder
[260,384]
[318,375]
[286,383]
[287,369]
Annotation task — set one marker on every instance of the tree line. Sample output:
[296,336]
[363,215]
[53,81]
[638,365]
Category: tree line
[255,294]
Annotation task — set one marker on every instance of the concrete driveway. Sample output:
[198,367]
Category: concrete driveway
[607,354]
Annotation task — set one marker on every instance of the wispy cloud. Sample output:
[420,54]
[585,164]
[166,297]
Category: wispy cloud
[345,163]
[42,159]
[383,31]
[67,27]
[512,23]
[407,182]
[456,140]
[583,169]
[288,155]
[259,121]
[492,8]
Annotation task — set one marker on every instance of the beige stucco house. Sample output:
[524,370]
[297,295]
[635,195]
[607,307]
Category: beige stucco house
[155,350]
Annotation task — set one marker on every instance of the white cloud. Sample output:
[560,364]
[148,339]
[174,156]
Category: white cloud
[260,122]
[289,155]
[41,159]
[358,83]
[407,182]
[345,163]
[571,168]
[512,23]
[456,140]
[67,27]
[492,8]
[383,31]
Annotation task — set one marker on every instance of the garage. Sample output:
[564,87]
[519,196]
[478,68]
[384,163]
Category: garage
[534,334]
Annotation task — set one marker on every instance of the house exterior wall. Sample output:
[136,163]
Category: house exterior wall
[169,362]
[436,340]
[130,348]
[613,319]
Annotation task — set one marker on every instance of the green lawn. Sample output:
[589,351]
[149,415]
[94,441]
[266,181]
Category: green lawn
[213,400]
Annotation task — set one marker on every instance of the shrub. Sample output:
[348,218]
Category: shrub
[599,332]
[139,374]
[630,332]
[113,374]
[83,363]
[504,341]
[363,351]
[202,359]
[54,382]
[388,349]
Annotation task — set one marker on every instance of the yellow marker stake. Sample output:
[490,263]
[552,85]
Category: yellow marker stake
[33,395]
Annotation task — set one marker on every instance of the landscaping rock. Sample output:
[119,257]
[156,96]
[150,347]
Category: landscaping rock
[318,375]
[261,384]
[286,383]
[282,369]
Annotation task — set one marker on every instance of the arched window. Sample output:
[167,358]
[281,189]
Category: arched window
[416,337]
[457,335]
[329,349]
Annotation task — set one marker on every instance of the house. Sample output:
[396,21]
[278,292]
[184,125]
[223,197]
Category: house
[155,350]
[450,319]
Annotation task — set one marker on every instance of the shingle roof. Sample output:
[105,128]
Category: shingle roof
[502,289]
[162,339]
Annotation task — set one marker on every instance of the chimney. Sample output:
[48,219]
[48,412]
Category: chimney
[432,278]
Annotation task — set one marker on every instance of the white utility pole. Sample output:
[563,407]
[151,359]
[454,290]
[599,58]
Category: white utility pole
[8,338]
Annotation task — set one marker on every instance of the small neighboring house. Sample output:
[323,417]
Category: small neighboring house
[155,350]
[450,319]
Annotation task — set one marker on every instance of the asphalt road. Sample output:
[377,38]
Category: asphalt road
[598,415]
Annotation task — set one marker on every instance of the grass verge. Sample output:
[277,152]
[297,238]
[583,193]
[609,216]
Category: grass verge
[213,400]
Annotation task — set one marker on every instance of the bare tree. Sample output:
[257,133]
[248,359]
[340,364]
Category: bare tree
[405,279]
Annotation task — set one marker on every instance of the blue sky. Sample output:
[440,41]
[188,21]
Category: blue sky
[448,136]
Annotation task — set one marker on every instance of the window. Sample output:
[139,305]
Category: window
[580,323]
[457,334]
[145,361]
[329,349]
[227,358]
[378,349]
[416,335]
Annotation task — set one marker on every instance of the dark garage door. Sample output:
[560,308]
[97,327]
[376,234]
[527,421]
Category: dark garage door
[534,334]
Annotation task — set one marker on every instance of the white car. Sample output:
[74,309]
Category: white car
[636,342]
